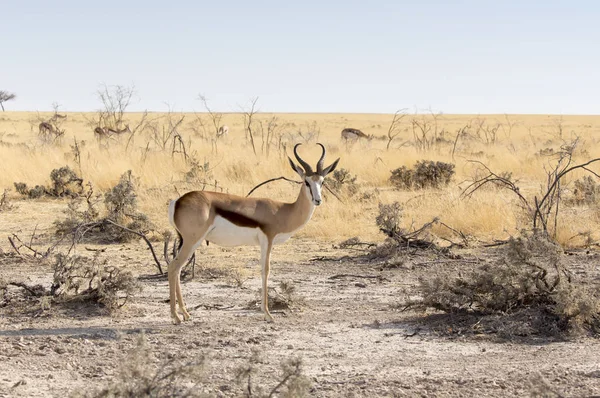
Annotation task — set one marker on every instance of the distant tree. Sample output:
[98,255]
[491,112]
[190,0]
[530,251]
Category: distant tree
[6,96]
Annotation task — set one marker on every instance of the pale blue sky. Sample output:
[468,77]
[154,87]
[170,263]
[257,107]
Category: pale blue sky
[470,56]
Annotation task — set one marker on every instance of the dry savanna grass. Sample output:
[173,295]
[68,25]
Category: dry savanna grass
[523,145]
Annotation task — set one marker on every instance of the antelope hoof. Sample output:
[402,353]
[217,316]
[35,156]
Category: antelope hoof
[269,318]
[176,319]
[186,315]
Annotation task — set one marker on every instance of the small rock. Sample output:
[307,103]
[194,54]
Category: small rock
[360,284]
[60,350]
[290,347]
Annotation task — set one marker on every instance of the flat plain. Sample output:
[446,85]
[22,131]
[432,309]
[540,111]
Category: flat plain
[343,314]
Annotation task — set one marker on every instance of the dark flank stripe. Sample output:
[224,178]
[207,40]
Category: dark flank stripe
[238,219]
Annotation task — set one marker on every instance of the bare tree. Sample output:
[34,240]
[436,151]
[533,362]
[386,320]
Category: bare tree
[543,210]
[249,114]
[215,117]
[394,128]
[271,133]
[5,96]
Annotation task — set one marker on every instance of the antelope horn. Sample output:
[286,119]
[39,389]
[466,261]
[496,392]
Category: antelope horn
[307,169]
[320,162]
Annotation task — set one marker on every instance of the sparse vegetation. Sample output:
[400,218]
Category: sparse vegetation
[529,278]
[138,377]
[78,278]
[425,174]
[343,182]
[65,183]
[487,292]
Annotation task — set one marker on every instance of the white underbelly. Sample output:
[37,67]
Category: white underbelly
[226,233]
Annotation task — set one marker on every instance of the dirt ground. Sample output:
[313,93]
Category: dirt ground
[344,326]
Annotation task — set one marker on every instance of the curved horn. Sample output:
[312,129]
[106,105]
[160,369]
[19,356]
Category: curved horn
[320,162]
[307,169]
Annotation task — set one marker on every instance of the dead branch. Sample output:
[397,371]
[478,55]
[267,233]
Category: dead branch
[340,276]
[36,290]
[493,178]
[271,180]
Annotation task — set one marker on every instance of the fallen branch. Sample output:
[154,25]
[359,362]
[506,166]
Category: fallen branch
[340,276]
[37,290]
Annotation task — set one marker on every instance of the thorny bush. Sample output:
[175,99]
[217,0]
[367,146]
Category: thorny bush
[425,174]
[529,276]
[64,183]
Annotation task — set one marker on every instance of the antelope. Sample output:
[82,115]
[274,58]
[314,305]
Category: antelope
[119,131]
[223,130]
[350,134]
[107,132]
[46,128]
[230,220]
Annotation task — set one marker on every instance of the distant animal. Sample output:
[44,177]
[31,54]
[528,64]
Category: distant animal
[58,116]
[107,132]
[50,131]
[101,132]
[350,134]
[223,130]
[119,131]
[46,128]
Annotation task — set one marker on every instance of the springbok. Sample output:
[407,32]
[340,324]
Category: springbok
[230,220]
[350,134]
[223,131]
[46,129]
[119,131]
[107,132]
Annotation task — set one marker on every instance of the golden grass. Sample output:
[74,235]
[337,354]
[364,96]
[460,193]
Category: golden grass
[489,214]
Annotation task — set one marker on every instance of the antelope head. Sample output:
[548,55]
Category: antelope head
[313,180]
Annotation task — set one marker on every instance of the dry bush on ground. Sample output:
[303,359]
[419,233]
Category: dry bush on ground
[343,182]
[5,203]
[137,377]
[292,383]
[85,279]
[529,284]
[121,208]
[425,174]
[283,298]
[76,278]
[64,183]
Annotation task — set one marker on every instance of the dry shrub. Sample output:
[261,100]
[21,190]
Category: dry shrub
[64,183]
[528,283]
[283,298]
[292,383]
[93,280]
[198,172]
[425,174]
[76,278]
[76,215]
[343,182]
[586,191]
[121,207]
[389,218]
[138,378]
[5,204]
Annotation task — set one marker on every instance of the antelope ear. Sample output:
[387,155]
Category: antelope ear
[330,168]
[296,168]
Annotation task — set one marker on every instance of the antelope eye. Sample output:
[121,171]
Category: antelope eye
[307,184]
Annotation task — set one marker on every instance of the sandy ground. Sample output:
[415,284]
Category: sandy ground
[344,327]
